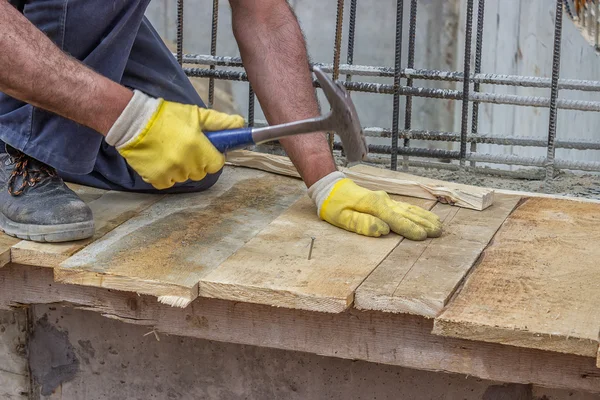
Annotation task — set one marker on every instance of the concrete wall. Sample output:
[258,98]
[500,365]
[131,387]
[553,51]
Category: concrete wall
[14,379]
[518,37]
[76,355]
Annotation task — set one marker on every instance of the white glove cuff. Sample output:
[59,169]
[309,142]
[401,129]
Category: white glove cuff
[133,119]
[321,189]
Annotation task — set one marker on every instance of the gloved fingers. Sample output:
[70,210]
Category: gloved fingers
[199,174]
[211,120]
[423,213]
[362,223]
[412,222]
[413,230]
[427,220]
[214,161]
[177,174]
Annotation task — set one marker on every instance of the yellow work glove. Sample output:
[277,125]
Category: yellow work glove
[343,203]
[164,143]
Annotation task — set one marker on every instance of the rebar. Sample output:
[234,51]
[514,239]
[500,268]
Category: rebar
[464,125]
[482,97]
[500,79]
[396,87]
[337,50]
[351,31]
[417,74]
[409,82]
[480,138]
[251,98]
[554,91]
[537,165]
[505,159]
[180,32]
[213,51]
[478,49]
[597,23]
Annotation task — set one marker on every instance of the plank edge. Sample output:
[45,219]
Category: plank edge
[170,294]
[396,305]
[273,297]
[518,338]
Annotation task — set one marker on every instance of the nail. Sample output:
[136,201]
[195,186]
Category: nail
[312,242]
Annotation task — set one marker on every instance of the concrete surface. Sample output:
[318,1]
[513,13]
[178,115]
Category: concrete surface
[14,380]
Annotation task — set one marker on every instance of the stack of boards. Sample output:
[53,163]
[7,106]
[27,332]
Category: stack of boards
[515,269]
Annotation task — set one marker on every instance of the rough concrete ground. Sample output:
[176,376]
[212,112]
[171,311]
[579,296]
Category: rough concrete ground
[564,183]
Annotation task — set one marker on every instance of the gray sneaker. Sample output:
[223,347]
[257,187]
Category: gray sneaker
[35,203]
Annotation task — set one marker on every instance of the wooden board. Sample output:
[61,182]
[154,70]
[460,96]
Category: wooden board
[537,284]
[455,194]
[110,210]
[394,339]
[420,277]
[6,243]
[273,268]
[165,250]
[379,179]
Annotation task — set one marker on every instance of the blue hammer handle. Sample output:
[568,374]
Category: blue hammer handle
[230,139]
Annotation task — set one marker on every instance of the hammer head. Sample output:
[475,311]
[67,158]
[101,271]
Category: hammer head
[344,117]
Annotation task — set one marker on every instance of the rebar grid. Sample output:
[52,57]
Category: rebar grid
[470,96]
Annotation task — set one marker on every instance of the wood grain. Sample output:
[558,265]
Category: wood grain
[110,210]
[379,179]
[6,243]
[420,277]
[273,268]
[394,339]
[537,284]
[165,250]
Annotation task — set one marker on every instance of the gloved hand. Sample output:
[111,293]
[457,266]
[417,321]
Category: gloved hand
[164,143]
[343,203]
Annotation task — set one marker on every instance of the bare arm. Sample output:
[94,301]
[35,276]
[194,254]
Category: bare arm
[274,54]
[34,70]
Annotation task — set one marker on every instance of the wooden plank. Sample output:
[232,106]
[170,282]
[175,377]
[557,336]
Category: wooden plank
[6,242]
[165,250]
[420,277]
[537,284]
[110,210]
[394,339]
[86,193]
[455,194]
[273,268]
[379,179]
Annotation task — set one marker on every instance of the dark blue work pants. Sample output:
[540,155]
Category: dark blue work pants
[115,39]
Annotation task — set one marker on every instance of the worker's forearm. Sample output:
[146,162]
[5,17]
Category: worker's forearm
[34,70]
[274,54]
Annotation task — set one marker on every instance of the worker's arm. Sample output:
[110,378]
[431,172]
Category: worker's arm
[34,70]
[274,54]
[162,141]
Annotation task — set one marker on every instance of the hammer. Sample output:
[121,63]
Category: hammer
[342,119]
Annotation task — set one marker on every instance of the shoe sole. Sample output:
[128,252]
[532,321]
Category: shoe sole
[47,233]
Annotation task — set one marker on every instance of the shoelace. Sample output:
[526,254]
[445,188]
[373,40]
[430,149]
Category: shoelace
[30,175]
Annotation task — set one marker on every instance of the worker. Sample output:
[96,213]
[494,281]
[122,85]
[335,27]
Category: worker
[91,95]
